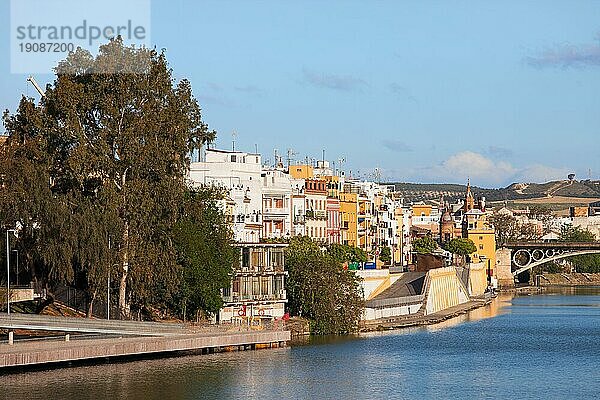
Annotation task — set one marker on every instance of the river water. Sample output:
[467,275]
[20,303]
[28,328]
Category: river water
[530,347]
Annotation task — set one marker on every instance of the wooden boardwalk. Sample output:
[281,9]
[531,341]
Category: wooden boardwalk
[148,340]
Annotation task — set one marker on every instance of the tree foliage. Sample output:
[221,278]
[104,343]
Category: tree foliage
[320,290]
[589,263]
[204,243]
[425,245]
[461,246]
[344,253]
[386,254]
[510,229]
[103,158]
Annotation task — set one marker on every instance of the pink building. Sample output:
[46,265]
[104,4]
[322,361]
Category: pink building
[333,220]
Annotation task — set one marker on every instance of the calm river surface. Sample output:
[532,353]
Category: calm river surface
[531,347]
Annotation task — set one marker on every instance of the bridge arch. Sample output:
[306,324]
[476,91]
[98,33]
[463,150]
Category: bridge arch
[560,255]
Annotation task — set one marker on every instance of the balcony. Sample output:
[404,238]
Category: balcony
[282,295]
[261,270]
[316,214]
[276,211]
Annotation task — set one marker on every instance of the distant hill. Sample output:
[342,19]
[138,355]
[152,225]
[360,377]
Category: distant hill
[516,191]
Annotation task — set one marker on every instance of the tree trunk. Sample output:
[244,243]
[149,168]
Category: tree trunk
[90,309]
[123,305]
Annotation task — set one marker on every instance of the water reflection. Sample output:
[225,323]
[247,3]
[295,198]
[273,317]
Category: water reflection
[522,347]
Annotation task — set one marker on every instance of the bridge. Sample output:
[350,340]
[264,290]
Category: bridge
[527,255]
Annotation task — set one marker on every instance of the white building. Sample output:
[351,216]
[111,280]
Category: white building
[239,174]
[277,204]
[257,291]
[298,208]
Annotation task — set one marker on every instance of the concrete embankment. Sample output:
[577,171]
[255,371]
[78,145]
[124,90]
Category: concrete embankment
[407,321]
[423,299]
[574,279]
[47,354]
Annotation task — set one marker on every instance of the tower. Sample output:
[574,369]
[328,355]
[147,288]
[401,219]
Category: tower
[469,199]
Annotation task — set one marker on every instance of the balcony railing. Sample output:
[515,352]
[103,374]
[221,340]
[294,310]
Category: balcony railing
[261,270]
[276,210]
[255,297]
[316,214]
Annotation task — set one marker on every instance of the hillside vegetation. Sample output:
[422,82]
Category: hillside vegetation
[516,191]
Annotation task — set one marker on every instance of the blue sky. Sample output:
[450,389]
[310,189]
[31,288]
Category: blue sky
[425,91]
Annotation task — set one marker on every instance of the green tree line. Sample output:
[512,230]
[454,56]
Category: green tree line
[320,289]
[94,175]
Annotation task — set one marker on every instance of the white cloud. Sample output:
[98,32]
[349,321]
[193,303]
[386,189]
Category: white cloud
[476,166]
[541,173]
[483,171]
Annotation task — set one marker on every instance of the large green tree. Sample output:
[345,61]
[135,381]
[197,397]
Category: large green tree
[320,290]
[103,156]
[204,243]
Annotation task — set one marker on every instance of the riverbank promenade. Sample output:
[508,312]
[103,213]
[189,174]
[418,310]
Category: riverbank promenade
[407,321]
[126,341]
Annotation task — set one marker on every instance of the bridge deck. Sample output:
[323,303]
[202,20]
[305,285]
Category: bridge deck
[554,245]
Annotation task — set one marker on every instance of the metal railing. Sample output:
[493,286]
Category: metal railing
[254,297]
[396,301]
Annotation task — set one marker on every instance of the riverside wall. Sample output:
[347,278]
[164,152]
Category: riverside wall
[443,290]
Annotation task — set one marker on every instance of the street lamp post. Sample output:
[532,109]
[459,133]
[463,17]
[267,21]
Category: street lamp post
[17,265]
[8,269]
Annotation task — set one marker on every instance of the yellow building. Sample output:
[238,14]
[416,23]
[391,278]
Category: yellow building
[477,228]
[421,210]
[398,250]
[365,234]
[301,171]
[349,218]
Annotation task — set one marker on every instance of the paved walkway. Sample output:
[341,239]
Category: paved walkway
[406,321]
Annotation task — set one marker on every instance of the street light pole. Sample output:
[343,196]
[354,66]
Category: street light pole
[17,265]
[8,270]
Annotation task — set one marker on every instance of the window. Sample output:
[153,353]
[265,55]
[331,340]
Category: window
[256,285]
[258,258]
[480,247]
[246,288]
[278,284]
[276,258]
[264,285]
[245,257]
[233,158]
